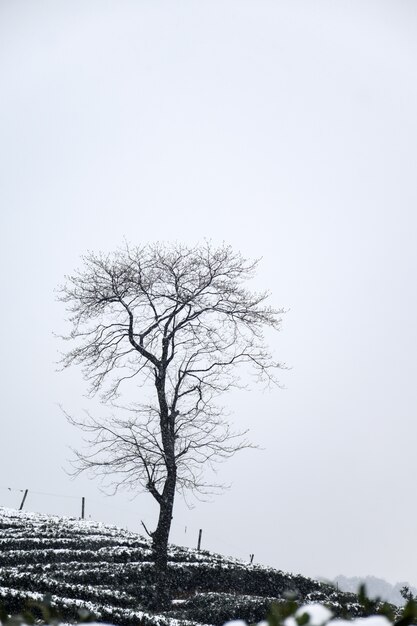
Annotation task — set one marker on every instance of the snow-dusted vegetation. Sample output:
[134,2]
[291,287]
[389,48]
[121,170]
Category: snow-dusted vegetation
[108,572]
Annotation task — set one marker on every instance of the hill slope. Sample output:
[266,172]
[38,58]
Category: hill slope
[108,571]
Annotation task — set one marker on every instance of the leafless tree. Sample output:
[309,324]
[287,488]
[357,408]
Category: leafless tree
[177,320]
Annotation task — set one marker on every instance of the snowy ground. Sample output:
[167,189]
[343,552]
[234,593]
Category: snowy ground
[107,571]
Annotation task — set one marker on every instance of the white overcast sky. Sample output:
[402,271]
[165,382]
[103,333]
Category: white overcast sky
[286,128]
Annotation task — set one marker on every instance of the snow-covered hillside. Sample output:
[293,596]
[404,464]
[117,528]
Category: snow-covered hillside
[108,571]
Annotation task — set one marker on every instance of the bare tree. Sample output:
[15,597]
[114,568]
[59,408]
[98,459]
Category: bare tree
[178,321]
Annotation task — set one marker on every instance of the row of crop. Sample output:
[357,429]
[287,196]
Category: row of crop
[177,553]
[136,578]
[223,607]
[69,609]
[8,528]
[123,575]
[51,542]
[31,538]
[47,584]
[104,572]
[64,532]
[254,581]
[189,577]
[110,554]
[74,568]
[240,580]
[219,607]
[41,523]
[24,531]
[133,580]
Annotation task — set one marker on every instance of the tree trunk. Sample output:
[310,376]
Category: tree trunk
[162,597]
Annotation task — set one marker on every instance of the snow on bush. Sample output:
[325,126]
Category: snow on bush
[318,615]
[306,615]
[108,571]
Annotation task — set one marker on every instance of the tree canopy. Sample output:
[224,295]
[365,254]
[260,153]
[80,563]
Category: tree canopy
[179,321]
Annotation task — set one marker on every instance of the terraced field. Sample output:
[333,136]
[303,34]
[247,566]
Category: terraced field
[108,571]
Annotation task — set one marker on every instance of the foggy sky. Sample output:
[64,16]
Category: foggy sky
[287,129]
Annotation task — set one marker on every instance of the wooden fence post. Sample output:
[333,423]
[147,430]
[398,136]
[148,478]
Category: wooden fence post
[199,539]
[24,498]
[82,507]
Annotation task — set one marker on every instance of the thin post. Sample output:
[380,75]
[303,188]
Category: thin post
[251,558]
[82,507]
[199,539]
[24,498]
